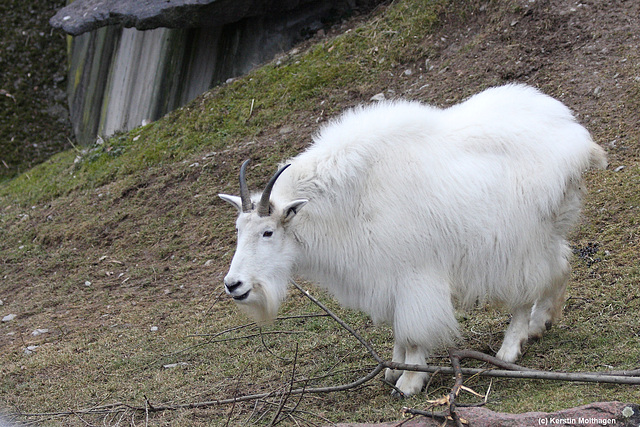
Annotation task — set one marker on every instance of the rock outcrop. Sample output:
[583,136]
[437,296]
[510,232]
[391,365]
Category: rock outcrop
[132,61]
[87,15]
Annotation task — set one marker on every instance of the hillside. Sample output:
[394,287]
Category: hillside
[119,251]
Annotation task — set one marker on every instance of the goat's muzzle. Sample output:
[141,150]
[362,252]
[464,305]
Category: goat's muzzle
[233,288]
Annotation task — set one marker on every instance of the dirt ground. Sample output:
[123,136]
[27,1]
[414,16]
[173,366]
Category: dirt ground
[584,53]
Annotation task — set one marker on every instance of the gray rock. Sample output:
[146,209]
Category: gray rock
[86,15]
[594,414]
[9,317]
[190,46]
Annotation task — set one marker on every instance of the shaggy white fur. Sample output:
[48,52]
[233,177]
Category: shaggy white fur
[403,210]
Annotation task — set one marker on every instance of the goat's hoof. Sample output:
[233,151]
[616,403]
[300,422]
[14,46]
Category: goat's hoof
[397,394]
[534,338]
[509,355]
[392,375]
[536,331]
[410,383]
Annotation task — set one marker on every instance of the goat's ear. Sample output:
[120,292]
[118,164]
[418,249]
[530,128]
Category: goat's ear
[233,200]
[292,208]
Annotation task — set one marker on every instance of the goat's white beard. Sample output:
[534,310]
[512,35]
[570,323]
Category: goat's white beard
[263,303]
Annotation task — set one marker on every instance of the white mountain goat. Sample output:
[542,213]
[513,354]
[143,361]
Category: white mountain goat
[403,210]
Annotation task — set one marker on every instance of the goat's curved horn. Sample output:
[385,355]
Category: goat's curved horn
[244,189]
[264,206]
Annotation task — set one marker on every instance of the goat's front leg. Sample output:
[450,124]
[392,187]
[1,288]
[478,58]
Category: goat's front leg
[411,382]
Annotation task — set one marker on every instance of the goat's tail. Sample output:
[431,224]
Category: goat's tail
[598,159]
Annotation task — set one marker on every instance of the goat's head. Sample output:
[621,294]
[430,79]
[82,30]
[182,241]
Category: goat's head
[261,267]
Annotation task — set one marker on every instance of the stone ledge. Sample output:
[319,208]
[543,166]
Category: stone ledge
[86,15]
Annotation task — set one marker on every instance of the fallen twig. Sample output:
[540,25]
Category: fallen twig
[455,390]
[439,415]
[341,322]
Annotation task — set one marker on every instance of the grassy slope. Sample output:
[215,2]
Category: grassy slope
[100,246]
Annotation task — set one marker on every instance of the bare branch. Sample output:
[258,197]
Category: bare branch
[455,390]
[364,342]
[439,415]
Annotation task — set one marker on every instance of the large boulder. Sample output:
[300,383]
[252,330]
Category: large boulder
[132,61]
[86,15]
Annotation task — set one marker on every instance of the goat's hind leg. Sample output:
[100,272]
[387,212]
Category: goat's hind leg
[392,375]
[548,307]
[516,335]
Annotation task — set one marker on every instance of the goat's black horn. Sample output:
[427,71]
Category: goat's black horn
[264,205]
[244,189]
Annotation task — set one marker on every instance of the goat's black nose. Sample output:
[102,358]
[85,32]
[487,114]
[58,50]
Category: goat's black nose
[233,286]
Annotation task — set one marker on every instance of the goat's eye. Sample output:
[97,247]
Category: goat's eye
[267,233]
